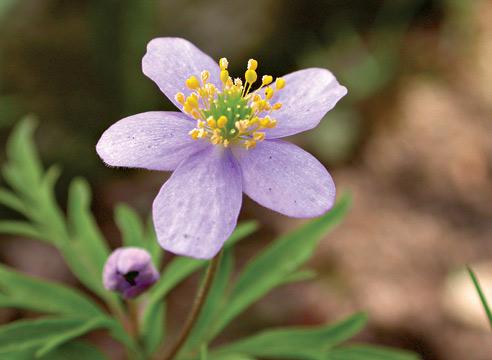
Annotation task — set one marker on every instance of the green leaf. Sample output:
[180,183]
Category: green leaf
[74,350]
[369,352]
[21,228]
[23,157]
[130,226]
[181,267]
[203,352]
[61,338]
[309,343]
[152,244]
[230,357]
[25,292]
[269,269]
[86,252]
[83,226]
[483,299]
[26,335]
[152,327]
[10,200]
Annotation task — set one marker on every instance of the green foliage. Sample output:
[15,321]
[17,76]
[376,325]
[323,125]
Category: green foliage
[283,258]
[43,335]
[483,299]
[78,238]
[297,343]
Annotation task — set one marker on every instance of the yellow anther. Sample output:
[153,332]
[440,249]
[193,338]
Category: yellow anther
[238,82]
[272,123]
[195,114]
[224,76]
[180,98]
[226,143]
[200,124]
[277,106]
[259,136]
[254,121]
[250,144]
[205,76]
[242,125]
[266,80]
[250,76]
[192,83]
[194,134]
[279,83]
[223,63]
[222,121]
[269,93]
[192,101]
[211,122]
[252,64]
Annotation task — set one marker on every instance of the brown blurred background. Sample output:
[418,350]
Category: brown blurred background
[412,142]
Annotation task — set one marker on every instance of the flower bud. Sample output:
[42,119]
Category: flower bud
[129,271]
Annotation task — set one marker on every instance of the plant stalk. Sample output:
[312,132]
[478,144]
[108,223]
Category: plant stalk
[195,311]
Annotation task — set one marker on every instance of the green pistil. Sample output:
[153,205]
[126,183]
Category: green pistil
[233,106]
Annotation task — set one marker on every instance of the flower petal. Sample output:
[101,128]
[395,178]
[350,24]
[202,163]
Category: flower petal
[308,95]
[151,140]
[197,208]
[285,178]
[170,61]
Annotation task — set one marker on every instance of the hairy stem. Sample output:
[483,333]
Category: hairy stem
[198,303]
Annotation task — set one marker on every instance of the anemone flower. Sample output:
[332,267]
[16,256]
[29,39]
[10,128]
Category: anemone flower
[224,141]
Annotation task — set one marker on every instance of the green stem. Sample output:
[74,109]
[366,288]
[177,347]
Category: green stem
[198,303]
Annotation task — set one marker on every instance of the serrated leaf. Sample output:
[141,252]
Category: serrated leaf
[21,291]
[181,267]
[269,269]
[481,295]
[130,226]
[152,327]
[28,335]
[310,343]
[369,352]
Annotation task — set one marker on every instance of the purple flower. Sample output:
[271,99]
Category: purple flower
[225,141]
[129,271]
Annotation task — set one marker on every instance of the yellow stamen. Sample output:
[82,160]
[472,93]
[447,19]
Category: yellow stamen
[266,80]
[279,83]
[250,76]
[223,63]
[205,75]
[180,98]
[252,64]
[192,83]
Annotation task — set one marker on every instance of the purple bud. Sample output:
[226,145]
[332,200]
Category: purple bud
[129,271]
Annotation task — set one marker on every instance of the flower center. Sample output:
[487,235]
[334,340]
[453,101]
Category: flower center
[131,277]
[234,114]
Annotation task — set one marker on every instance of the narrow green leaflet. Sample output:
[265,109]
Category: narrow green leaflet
[152,327]
[150,238]
[310,343]
[368,352]
[27,335]
[130,226]
[26,292]
[57,340]
[483,299]
[181,267]
[269,269]
[73,350]
[83,225]
[21,228]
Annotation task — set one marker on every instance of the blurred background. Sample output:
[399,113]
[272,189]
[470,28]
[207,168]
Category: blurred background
[411,141]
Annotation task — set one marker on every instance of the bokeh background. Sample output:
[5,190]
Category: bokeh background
[411,141]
